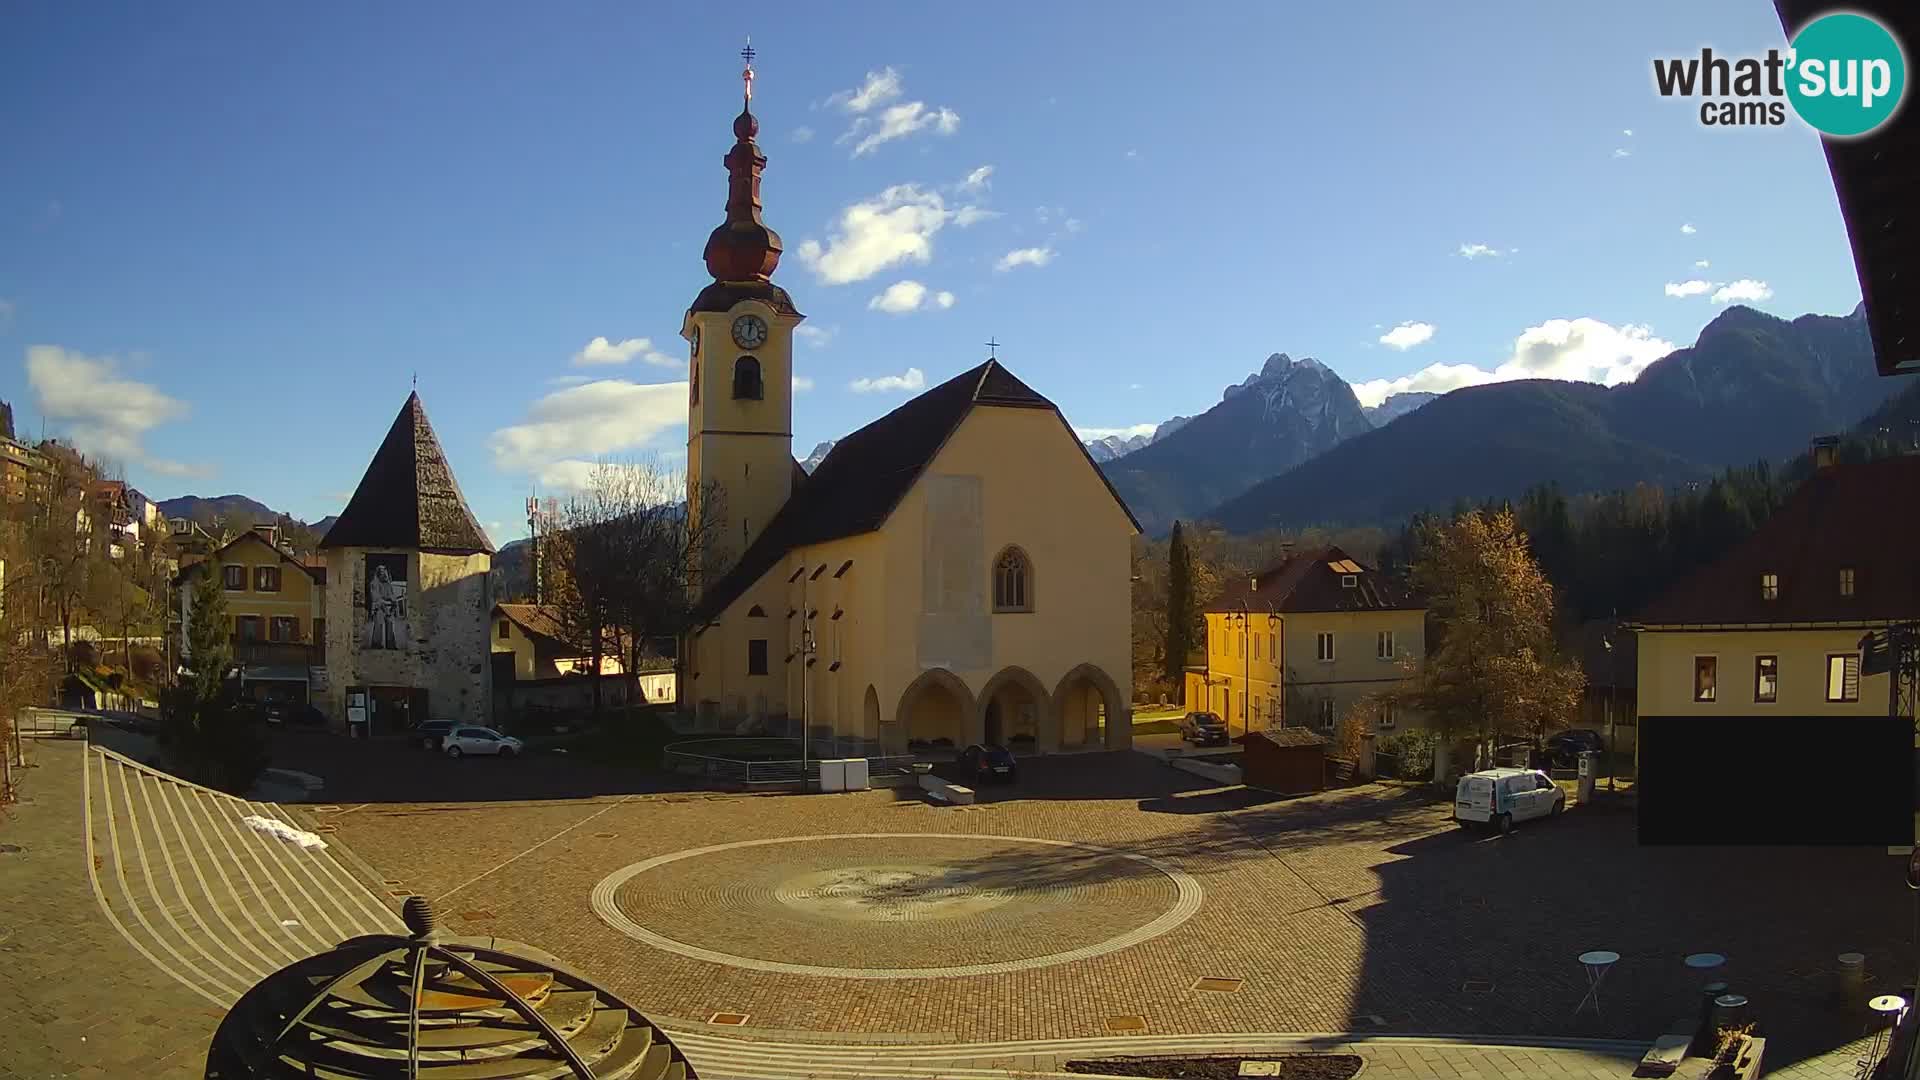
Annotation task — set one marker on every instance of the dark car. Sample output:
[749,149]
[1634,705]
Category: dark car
[1204,729]
[983,763]
[429,735]
[1564,748]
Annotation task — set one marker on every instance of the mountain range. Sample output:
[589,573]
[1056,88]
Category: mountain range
[1751,387]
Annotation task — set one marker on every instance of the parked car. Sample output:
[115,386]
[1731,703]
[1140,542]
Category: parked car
[430,735]
[983,763]
[478,740]
[1203,729]
[1564,748]
[276,712]
[1501,797]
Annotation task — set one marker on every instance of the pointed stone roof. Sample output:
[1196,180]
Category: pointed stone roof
[408,498]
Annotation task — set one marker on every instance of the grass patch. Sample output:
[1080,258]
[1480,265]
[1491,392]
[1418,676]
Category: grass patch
[633,737]
[1156,727]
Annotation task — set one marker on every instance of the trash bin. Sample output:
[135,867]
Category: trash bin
[1589,768]
[1853,975]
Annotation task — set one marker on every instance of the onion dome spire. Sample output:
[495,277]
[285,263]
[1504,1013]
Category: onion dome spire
[744,249]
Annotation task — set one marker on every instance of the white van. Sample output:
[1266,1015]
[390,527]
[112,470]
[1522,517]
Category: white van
[1500,797]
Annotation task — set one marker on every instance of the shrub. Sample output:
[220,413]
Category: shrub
[1411,751]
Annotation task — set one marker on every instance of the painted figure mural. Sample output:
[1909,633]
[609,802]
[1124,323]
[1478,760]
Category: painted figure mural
[386,602]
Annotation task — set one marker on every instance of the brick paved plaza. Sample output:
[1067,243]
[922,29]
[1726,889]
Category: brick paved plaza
[1102,886]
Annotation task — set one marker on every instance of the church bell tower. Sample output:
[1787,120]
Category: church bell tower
[740,468]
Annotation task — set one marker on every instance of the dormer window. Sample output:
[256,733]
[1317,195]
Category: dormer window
[746,379]
[1769,586]
[1846,581]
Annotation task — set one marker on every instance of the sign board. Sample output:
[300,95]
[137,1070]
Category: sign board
[356,715]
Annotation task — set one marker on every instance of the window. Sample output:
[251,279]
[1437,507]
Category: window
[757,656]
[1766,678]
[1383,645]
[1012,581]
[746,379]
[1387,719]
[266,579]
[1326,712]
[1769,586]
[505,633]
[1705,671]
[283,628]
[247,627]
[1256,646]
[1846,581]
[1323,646]
[1843,677]
[1240,647]
[1272,653]
[234,578]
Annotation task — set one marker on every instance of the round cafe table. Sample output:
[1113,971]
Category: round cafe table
[1597,963]
[1705,961]
[1887,1010]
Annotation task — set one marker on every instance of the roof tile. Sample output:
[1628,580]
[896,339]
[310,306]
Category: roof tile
[408,497]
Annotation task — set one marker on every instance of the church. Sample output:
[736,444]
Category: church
[957,571]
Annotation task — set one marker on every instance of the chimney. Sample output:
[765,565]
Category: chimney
[269,533]
[1826,450]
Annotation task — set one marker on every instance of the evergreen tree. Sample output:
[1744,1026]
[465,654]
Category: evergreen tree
[1180,608]
[210,738]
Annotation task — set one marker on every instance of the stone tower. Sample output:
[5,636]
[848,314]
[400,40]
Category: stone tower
[409,600]
[740,463]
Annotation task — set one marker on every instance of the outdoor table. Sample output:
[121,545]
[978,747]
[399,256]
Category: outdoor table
[1887,1009]
[1597,962]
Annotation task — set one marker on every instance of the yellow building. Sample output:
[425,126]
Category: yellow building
[1299,643]
[954,572]
[277,605]
[1774,628]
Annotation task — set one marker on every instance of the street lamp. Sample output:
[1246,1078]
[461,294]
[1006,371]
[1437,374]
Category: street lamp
[1613,663]
[1244,619]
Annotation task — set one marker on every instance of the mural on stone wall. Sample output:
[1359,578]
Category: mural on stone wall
[386,602]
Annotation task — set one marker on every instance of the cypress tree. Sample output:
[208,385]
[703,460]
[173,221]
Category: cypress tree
[1179,609]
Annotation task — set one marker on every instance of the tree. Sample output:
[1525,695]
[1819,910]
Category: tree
[1180,614]
[210,738]
[1492,668]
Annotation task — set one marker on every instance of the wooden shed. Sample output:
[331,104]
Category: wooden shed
[1289,760]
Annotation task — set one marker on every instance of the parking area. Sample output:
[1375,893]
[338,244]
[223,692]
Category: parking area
[1361,909]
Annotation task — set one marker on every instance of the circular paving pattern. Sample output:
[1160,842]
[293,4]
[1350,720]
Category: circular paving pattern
[858,906]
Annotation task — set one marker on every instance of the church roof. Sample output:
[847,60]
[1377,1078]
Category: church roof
[408,497]
[855,488]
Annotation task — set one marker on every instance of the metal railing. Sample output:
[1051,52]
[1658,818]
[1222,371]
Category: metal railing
[58,723]
[786,771]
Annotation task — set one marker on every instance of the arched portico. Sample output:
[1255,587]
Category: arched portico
[935,706]
[1086,701]
[1014,704]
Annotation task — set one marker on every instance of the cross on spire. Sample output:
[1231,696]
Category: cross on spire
[746,75]
[992,349]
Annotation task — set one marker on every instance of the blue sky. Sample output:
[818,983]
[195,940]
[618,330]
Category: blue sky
[231,234]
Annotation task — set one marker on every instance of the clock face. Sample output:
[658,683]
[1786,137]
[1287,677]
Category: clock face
[749,332]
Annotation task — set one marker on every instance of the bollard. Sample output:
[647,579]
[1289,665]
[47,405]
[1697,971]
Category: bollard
[1703,1034]
[1729,1010]
[1853,976]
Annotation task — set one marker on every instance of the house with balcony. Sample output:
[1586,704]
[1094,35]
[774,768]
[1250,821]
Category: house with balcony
[534,664]
[276,602]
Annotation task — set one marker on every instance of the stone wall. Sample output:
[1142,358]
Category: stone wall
[445,647]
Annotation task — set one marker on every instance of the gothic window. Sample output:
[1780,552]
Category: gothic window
[1012,581]
[746,379]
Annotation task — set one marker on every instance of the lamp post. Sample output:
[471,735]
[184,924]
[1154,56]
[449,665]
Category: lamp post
[1613,684]
[1244,618]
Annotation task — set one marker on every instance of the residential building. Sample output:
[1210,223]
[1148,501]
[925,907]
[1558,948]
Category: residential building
[22,468]
[529,647]
[410,602]
[1300,643]
[1774,628]
[276,602]
[953,572]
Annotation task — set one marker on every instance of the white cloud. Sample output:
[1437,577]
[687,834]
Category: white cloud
[1688,230]
[1621,151]
[1701,264]
[802,134]
[1133,386]
[896,226]
[1628,133]
[569,380]
[914,379]
[565,430]
[1583,350]
[1407,335]
[979,178]
[1128,432]
[1073,224]
[801,382]
[1694,287]
[904,296]
[1746,290]
[601,351]
[816,336]
[1133,153]
[1478,251]
[970,215]
[881,86]
[104,413]
[1033,256]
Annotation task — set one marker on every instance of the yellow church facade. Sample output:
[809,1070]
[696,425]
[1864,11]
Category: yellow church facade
[955,572]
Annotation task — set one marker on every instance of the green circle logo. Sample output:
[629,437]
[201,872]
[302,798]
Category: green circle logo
[1846,74]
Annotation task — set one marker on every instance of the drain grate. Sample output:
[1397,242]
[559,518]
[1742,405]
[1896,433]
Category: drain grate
[1476,986]
[1218,985]
[605,835]
[326,828]
[390,883]
[1126,1025]
[730,1019]
[476,916]
[11,849]
[399,893]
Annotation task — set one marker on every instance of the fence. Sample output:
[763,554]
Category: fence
[710,760]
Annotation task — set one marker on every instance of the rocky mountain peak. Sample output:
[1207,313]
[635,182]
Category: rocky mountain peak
[1280,368]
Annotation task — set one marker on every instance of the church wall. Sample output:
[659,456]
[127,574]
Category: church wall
[443,644]
[1034,489]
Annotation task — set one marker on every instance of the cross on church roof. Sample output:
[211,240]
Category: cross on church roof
[746,75]
[992,349]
